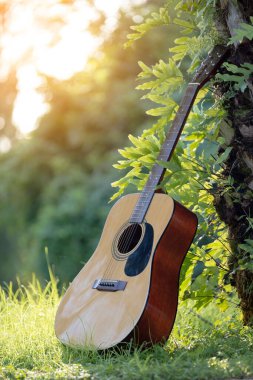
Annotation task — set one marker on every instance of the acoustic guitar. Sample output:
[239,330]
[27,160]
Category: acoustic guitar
[129,287]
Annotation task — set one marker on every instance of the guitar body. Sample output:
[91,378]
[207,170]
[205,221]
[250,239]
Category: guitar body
[129,291]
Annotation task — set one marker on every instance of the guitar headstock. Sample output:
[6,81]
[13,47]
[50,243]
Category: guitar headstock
[210,65]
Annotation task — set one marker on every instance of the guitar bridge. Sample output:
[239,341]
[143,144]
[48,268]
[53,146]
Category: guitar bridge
[109,285]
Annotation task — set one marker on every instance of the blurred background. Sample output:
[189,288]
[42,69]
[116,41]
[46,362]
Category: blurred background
[68,102]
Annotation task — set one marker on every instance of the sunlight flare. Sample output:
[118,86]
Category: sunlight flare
[29,103]
[49,38]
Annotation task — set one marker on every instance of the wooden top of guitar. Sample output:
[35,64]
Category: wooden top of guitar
[88,317]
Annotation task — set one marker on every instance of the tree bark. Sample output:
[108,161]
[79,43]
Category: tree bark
[234,204]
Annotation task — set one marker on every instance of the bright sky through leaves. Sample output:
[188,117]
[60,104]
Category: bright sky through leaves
[48,37]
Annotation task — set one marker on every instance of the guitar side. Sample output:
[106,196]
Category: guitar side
[159,314]
[146,308]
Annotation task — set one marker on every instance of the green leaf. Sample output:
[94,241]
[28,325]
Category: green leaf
[156,19]
[223,157]
[184,23]
[245,31]
[160,111]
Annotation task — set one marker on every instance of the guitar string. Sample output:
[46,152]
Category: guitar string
[125,245]
[131,232]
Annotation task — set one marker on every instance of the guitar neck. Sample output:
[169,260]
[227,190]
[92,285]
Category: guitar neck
[206,70]
[166,152]
[178,124]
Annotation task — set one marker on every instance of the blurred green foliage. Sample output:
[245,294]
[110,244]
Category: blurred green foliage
[55,185]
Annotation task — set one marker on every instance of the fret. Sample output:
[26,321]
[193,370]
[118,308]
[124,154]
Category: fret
[140,205]
[143,201]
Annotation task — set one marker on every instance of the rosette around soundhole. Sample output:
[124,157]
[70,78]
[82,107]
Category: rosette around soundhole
[127,240]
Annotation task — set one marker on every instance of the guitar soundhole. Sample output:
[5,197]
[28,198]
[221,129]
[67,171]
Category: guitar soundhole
[129,238]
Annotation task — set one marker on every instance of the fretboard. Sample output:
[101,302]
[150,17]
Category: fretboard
[167,149]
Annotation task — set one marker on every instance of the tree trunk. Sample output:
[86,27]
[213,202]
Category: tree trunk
[234,204]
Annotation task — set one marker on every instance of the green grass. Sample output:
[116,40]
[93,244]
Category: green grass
[197,349]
